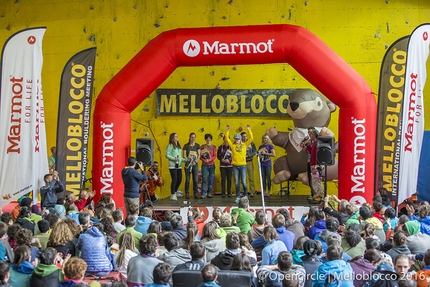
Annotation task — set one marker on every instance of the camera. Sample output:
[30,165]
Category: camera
[136,165]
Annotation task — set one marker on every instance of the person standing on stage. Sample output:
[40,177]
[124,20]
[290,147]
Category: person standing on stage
[306,144]
[224,155]
[316,177]
[174,155]
[192,155]
[238,149]
[154,180]
[207,156]
[132,179]
[266,151]
[251,151]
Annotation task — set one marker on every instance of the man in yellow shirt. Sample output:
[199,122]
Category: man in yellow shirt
[238,149]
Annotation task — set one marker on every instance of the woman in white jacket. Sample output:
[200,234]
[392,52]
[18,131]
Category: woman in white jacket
[125,253]
[212,241]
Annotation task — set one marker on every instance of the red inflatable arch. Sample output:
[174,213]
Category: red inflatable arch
[312,58]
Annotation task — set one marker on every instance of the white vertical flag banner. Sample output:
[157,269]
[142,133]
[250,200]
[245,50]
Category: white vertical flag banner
[23,154]
[413,111]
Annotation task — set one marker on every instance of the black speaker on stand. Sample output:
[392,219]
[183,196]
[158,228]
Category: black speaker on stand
[326,153]
[145,151]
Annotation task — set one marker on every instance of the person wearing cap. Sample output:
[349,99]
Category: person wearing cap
[28,202]
[207,156]
[60,210]
[310,261]
[239,159]
[48,193]
[24,201]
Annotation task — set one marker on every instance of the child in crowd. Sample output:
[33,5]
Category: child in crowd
[162,275]
[209,276]
[4,274]
[234,240]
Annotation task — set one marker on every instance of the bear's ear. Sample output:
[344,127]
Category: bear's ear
[331,106]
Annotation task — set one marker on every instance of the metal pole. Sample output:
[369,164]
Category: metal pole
[261,185]
[325,181]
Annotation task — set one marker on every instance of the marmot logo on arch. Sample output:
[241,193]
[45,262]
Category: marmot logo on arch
[192,48]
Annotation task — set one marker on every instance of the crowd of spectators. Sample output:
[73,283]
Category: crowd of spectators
[347,246]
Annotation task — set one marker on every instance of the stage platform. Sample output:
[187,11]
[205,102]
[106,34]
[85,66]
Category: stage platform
[218,200]
[296,204]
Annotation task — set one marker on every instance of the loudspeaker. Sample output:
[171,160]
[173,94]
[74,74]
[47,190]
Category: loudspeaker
[325,151]
[145,151]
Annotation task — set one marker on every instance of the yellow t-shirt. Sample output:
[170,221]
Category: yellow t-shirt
[239,150]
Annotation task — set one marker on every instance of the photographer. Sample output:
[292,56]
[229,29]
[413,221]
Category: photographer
[154,180]
[132,179]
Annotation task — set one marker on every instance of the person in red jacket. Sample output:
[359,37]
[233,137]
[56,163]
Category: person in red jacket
[85,198]
[207,156]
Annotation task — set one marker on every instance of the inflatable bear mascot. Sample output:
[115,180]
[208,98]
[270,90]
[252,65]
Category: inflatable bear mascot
[307,108]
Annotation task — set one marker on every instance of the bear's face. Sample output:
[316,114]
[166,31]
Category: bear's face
[309,108]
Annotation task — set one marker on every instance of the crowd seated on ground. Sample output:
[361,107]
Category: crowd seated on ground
[347,246]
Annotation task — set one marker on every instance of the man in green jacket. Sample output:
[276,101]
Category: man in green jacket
[46,272]
[130,223]
[245,219]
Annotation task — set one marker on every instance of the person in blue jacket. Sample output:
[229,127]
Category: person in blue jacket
[284,235]
[95,251]
[21,268]
[332,225]
[423,217]
[48,193]
[269,254]
[132,180]
[319,226]
[144,220]
[335,272]
[209,275]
